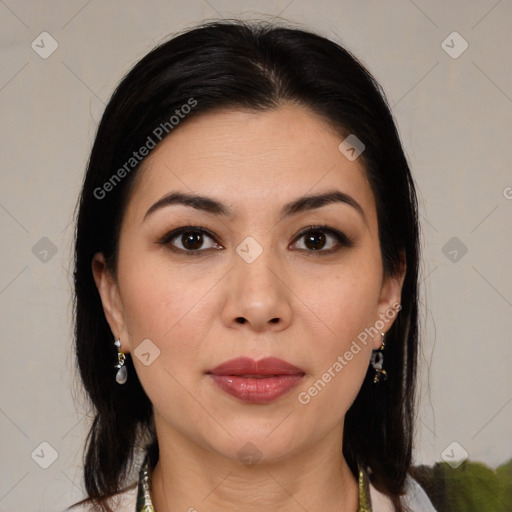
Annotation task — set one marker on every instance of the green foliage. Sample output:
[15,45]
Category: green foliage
[472,487]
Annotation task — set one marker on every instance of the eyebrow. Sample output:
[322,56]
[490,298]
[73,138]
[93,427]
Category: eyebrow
[215,207]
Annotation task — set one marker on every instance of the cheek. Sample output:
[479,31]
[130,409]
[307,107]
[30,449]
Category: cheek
[338,359]
[345,307]
[164,304]
[166,308]
[345,303]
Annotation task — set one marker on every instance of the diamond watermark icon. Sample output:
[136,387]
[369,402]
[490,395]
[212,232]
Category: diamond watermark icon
[44,45]
[454,45]
[249,454]
[44,249]
[454,454]
[44,455]
[249,249]
[454,249]
[147,352]
[351,147]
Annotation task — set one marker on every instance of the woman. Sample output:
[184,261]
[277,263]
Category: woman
[246,282]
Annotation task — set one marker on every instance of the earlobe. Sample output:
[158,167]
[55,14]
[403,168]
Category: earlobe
[109,294]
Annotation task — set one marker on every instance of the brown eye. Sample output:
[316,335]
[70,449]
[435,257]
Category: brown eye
[323,239]
[191,239]
[315,240]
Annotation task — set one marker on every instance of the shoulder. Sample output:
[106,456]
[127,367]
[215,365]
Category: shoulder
[123,502]
[415,498]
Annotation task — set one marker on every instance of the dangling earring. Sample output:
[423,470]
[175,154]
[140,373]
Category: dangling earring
[122,372]
[377,361]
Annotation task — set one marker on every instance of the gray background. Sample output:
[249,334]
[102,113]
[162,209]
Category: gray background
[454,114]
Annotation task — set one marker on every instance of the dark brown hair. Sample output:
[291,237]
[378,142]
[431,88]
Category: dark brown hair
[257,67]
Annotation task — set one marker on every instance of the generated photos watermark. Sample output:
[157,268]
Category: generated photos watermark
[152,140]
[304,397]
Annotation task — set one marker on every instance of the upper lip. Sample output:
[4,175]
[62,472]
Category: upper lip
[245,366]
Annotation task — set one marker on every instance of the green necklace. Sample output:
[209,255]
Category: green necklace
[144,503]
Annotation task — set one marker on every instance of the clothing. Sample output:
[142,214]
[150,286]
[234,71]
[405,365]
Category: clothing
[137,498]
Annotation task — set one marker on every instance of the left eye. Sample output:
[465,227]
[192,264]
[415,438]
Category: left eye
[317,237]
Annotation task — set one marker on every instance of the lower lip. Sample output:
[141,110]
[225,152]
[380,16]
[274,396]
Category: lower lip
[256,391]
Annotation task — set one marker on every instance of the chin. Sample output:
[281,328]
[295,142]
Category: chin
[259,442]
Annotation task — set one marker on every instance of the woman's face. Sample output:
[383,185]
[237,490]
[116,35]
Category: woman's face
[305,296]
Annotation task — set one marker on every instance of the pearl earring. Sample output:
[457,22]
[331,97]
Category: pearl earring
[122,372]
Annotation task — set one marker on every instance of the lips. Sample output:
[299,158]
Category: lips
[258,382]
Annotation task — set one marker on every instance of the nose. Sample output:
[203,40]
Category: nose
[257,294]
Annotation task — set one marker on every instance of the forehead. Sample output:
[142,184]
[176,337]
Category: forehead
[252,161]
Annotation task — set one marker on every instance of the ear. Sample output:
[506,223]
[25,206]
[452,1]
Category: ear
[110,299]
[389,302]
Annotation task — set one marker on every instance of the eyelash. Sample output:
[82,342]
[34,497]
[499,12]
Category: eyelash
[343,240]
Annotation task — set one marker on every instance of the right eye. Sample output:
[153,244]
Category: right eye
[191,239]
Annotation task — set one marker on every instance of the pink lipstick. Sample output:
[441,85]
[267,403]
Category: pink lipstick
[258,382]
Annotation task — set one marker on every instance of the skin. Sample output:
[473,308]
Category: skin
[188,307]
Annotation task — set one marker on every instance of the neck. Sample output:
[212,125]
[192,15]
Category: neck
[189,477]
